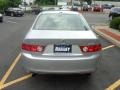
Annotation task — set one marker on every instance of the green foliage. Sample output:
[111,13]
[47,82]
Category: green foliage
[119,27]
[53,2]
[3,5]
[89,1]
[13,3]
[107,0]
[8,3]
[45,2]
[115,23]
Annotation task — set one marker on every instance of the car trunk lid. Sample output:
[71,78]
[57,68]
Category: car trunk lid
[69,39]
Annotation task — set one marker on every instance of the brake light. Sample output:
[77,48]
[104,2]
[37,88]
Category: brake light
[91,48]
[32,48]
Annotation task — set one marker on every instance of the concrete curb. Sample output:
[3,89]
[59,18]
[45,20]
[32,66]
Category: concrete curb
[106,36]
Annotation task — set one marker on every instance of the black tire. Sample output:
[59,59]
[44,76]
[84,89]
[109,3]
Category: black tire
[88,75]
[34,74]
[1,20]
[22,15]
[5,14]
[112,17]
[12,15]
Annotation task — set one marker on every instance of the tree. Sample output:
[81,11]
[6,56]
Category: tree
[89,1]
[3,5]
[2,2]
[45,2]
[107,0]
[14,3]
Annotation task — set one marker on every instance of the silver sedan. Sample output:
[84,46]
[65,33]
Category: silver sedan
[60,42]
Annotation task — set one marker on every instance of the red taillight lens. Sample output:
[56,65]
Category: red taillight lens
[32,48]
[91,48]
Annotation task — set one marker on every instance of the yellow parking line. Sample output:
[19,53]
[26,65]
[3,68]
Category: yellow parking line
[15,81]
[114,85]
[10,69]
[18,80]
[1,85]
[108,47]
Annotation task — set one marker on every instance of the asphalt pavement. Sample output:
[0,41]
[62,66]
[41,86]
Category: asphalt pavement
[12,32]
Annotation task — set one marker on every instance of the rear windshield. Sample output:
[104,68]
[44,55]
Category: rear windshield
[60,22]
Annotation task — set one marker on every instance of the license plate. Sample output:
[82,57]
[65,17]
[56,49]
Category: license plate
[62,48]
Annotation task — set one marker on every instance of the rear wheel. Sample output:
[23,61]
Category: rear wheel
[1,20]
[113,17]
[34,74]
[5,14]
[21,15]
[88,75]
[12,14]
[110,17]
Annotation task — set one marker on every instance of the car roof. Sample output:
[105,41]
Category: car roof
[14,8]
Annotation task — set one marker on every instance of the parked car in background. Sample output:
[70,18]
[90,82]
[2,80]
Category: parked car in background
[114,12]
[97,8]
[37,10]
[74,8]
[60,42]
[65,7]
[51,8]
[14,12]
[1,17]
[107,6]
[85,7]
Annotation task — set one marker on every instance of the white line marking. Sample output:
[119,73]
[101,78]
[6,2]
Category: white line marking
[11,18]
[12,22]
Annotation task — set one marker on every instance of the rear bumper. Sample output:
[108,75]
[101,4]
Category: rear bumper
[18,14]
[97,9]
[60,65]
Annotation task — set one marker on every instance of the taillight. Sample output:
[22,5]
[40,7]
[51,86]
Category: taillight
[91,48]
[32,48]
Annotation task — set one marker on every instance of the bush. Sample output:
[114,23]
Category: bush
[115,23]
[119,27]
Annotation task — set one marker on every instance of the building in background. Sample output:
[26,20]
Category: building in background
[28,1]
[68,2]
[62,2]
